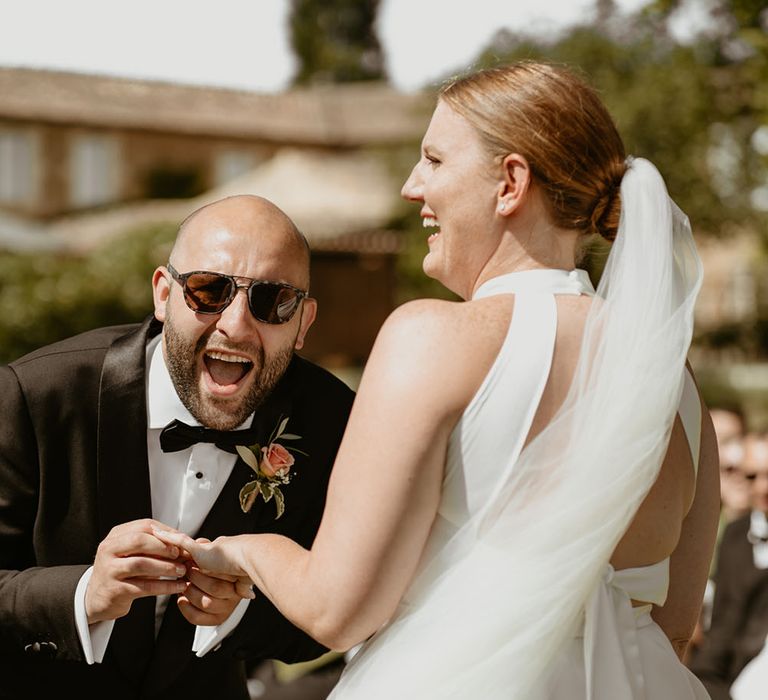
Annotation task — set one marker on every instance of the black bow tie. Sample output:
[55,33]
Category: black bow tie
[178,436]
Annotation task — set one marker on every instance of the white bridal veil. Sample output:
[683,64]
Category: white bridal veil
[488,614]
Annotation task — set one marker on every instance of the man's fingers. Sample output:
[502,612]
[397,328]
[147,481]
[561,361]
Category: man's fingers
[175,538]
[143,587]
[229,578]
[208,603]
[196,616]
[200,550]
[130,542]
[213,583]
[147,567]
[244,588]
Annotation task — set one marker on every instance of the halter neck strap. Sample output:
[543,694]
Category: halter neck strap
[551,281]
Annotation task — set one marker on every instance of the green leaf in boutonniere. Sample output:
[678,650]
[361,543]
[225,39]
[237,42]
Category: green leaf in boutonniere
[272,466]
[248,495]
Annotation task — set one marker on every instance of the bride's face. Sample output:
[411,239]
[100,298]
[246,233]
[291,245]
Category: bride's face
[457,184]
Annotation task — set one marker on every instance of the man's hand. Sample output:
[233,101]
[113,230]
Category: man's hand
[131,563]
[210,600]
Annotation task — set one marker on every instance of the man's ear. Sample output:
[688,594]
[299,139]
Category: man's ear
[308,315]
[161,290]
[516,174]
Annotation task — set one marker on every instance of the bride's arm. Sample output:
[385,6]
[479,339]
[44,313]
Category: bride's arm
[690,562]
[427,362]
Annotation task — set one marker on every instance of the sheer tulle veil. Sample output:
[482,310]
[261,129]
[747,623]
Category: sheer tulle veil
[486,616]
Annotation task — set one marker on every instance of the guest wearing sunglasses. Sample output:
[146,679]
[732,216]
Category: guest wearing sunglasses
[733,659]
[203,418]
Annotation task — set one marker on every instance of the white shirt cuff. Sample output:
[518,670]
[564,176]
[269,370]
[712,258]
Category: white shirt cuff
[209,637]
[93,638]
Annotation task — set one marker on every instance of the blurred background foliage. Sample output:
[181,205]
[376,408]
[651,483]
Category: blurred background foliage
[47,297]
[698,109]
[335,41]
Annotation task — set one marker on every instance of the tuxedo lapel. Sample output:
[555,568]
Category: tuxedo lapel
[122,468]
[123,478]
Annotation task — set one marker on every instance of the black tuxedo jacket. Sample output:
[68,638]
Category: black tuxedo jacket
[73,464]
[739,614]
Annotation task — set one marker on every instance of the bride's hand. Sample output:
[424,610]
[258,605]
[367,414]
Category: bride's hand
[217,557]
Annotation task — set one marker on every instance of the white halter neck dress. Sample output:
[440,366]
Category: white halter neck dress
[621,653]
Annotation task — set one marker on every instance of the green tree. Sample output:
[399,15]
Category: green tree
[335,41]
[48,297]
[685,107]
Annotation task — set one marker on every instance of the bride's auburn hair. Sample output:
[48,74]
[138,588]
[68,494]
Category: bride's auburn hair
[556,121]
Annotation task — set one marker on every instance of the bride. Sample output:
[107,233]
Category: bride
[525,501]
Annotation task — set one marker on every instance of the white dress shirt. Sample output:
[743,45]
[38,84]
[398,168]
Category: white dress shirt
[184,486]
[758,537]
[752,682]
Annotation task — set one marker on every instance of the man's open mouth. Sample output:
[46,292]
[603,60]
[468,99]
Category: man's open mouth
[225,368]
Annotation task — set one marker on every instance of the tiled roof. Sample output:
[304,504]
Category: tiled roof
[335,115]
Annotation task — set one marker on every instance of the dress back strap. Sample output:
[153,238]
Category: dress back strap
[526,358]
[690,415]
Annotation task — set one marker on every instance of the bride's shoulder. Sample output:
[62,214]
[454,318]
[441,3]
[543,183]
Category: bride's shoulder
[438,338]
[427,354]
[432,318]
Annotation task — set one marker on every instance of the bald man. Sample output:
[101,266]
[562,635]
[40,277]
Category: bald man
[202,418]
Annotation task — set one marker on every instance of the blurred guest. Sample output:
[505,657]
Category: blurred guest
[729,423]
[734,490]
[728,420]
[733,660]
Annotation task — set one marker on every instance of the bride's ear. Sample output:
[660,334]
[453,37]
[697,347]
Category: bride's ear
[516,179]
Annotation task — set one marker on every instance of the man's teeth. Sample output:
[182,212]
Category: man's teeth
[430,221]
[227,358]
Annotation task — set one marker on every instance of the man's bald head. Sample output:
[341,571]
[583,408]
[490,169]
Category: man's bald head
[224,364]
[251,217]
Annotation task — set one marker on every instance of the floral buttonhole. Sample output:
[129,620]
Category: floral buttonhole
[272,464]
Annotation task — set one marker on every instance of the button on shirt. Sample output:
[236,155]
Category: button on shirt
[184,486]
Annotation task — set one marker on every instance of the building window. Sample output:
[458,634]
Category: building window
[169,182]
[93,170]
[19,166]
[230,164]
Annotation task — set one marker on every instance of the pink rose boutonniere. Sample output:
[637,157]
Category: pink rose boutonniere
[272,464]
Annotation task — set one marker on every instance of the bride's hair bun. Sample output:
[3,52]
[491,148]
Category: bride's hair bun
[555,119]
[606,211]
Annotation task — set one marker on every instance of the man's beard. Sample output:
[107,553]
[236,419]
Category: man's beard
[213,412]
